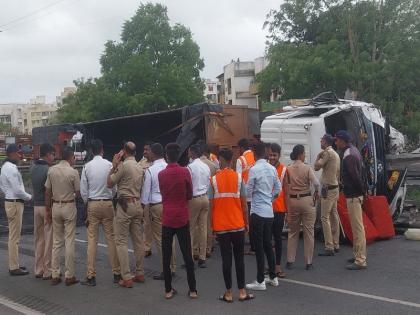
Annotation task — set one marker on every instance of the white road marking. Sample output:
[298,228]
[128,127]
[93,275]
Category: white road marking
[18,307]
[100,244]
[348,292]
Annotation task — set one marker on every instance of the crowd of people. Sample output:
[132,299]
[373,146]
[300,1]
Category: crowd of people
[156,199]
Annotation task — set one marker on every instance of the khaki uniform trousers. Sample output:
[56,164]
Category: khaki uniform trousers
[330,221]
[101,212]
[129,223]
[14,213]
[155,212]
[302,212]
[43,242]
[199,208]
[354,206]
[64,234]
[147,230]
[210,238]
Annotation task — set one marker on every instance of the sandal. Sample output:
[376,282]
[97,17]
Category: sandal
[248,297]
[224,299]
[170,294]
[281,274]
[193,294]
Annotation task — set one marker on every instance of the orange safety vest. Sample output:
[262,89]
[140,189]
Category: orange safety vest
[247,161]
[227,213]
[279,204]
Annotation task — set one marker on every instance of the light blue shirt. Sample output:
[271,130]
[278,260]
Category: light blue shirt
[263,185]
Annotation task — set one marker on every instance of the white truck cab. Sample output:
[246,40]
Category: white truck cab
[327,114]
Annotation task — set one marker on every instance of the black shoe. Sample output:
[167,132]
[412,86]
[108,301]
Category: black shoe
[355,266]
[326,253]
[351,260]
[22,267]
[336,250]
[202,264]
[289,265]
[309,267]
[18,272]
[90,282]
[147,253]
[117,278]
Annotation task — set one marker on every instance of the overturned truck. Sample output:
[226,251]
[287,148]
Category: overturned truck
[219,124]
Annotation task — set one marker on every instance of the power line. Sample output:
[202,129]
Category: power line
[32,13]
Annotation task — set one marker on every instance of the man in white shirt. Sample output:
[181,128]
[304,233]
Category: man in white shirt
[12,186]
[199,204]
[100,210]
[151,197]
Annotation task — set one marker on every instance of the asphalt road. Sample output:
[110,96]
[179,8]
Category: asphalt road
[389,286]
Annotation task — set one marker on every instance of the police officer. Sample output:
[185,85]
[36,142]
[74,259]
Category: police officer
[15,195]
[61,189]
[329,161]
[128,176]
[300,206]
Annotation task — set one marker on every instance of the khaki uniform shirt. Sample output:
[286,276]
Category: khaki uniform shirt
[212,166]
[299,177]
[63,180]
[329,161]
[144,163]
[129,178]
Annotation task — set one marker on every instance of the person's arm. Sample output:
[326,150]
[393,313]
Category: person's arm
[48,199]
[315,183]
[350,163]
[277,185]
[116,172]
[238,166]
[188,183]
[16,183]
[286,190]
[76,184]
[250,184]
[321,160]
[147,187]
[244,206]
[84,186]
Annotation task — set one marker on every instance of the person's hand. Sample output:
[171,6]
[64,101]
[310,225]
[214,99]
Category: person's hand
[316,197]
[48,216]
[246,229]
[117,159]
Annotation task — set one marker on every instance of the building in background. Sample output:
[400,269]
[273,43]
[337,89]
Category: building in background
[66,92]
[238,81]
[211,88]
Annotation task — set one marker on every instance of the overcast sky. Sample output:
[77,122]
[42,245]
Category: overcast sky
[44,52]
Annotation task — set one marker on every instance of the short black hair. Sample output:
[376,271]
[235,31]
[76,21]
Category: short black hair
[45,148]
[226,154]
[149,143]
[172,152]
[68,152]
[97,146]
[205,148]
[157,149]
[130,149]
[297,150]
[259,150]
[243,143]
[196,150]
[276,148]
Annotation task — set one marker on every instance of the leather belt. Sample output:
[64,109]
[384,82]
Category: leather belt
[130,199]
[63,201]
[154,204]
[15,200]
[198,196]
[99,199]
[331,187]
[300,196]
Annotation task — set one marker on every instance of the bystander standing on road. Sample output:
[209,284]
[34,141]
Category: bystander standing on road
[263,187]
[279,207]
[152,198]
[62,189]
[11,184]
[227,196]
[301,206]
[176,188]
[127,175]
[329,161]
[100,211]
[145,163]
[43,237]
[199,204]
[354,190]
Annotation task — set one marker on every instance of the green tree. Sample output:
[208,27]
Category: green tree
[371,47]
[155,66]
